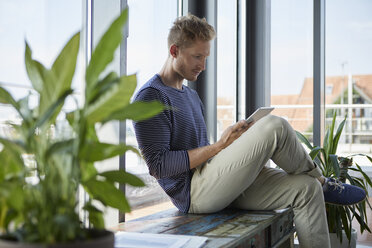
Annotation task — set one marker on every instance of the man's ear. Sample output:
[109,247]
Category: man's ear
[173,50]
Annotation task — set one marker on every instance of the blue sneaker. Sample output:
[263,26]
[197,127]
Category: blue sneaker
[338,193]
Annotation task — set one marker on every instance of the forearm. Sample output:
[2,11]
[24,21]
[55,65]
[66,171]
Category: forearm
[200,155]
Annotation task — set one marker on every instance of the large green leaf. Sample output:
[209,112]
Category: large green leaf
[65,64]
[6,98]
[366,177]
[47,94]
[138,111]
[113,99]
[51,113]
[107,193]
[60,146]
[337,136]
[122,177]
[304,140]
[314,152]
[87,171]
[334,163]
[95,216]
[103,54]
[34,70]
[58,80]
[101,87]
[95,151]
[330,136]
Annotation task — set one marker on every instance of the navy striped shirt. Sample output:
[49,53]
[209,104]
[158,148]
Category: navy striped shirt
[165,138]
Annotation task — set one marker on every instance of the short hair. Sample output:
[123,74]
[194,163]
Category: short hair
[187,29]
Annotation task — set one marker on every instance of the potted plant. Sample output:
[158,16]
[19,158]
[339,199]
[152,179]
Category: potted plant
[340,217]
[45,211]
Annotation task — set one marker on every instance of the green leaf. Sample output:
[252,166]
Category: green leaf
[34,70]
[138,111]
[65,64]
[122,177]
[47,94]
[14,145]
[345,224]
[17,197]
[6,98]
[366,177]
[314,152]
[99,88]
[87,170]
[330,136]
[334,163]
[103,54]
[338,135]
[96,151]
[60,146]
[95,216]
[304,140]
[113,99]
[51,113]
[108,194]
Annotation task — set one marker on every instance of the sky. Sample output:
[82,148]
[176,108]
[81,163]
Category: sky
[348,41]
[46,27]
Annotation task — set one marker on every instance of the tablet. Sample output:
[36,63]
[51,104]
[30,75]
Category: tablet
[259,113]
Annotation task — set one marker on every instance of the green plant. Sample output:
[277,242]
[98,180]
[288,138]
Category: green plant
[340,217]
[46,211]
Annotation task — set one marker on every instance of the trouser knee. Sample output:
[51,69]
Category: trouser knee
[308,190]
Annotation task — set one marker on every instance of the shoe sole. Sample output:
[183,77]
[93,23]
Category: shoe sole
[346,204]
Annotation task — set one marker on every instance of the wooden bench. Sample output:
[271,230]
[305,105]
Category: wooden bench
[228,228]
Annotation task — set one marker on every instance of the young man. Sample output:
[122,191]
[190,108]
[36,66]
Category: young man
[204,178]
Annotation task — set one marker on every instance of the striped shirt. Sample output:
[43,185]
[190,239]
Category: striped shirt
[165,138]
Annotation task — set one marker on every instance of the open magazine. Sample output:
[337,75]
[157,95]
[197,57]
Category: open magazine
[147,240]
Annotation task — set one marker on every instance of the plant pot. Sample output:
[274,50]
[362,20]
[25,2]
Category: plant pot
[335,241]
[101,238]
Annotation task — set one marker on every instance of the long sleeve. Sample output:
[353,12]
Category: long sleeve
[154,138]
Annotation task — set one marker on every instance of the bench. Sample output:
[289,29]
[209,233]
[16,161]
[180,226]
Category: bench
[228,228]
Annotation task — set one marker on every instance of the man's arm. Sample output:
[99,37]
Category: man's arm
[200,155]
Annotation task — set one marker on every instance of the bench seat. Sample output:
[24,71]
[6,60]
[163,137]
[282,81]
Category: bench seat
[228,228]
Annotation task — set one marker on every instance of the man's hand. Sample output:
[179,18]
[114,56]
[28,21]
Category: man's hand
[199,155]
[233,132]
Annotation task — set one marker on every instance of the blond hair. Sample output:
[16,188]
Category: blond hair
[188,29]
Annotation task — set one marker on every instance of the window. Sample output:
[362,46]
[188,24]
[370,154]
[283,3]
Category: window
[292,62]
[149,24]
[349,72]
[226,64]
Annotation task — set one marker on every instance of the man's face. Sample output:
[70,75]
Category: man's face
[190,61]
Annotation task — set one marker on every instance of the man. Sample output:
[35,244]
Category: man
[204,178]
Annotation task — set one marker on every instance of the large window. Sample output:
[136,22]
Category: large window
[292,62]
[226,64]
[46,27]
[349,72]
[149,24]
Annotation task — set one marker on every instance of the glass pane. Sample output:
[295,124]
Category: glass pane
[149,23]
[226,64]
[47,28]
[292,62]
[349,73]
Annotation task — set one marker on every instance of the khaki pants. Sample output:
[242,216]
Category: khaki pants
[237,177]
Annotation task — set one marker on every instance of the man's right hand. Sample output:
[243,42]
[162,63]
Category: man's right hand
[199,155]
[233,132]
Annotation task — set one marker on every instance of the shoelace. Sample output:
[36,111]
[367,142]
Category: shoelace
[337,185]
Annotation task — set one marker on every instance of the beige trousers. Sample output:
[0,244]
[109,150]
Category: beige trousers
[237,177]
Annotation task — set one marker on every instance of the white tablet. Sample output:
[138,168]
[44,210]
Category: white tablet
[259,113]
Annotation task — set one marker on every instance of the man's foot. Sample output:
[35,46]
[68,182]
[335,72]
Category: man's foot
[338,193]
